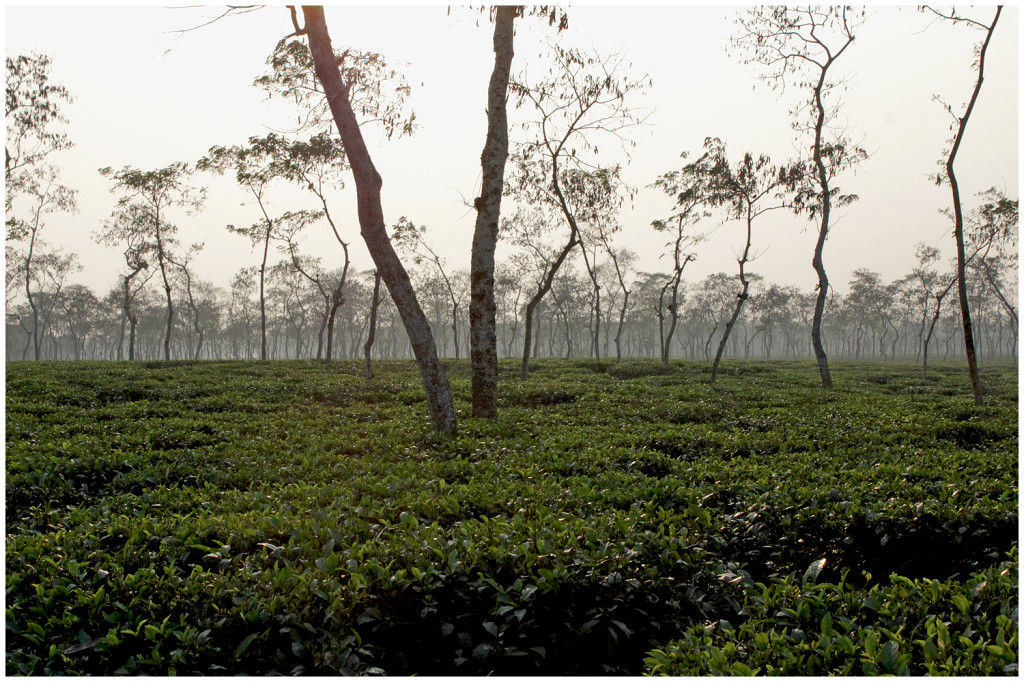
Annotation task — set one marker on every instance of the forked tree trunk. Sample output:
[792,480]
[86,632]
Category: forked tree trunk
[931,329]
[373,228]
[483,341]
[170,307]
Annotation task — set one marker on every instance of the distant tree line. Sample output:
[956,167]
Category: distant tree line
[872,320]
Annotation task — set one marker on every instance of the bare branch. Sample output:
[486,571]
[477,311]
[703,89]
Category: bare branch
[231,10]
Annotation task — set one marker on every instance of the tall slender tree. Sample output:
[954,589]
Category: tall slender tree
[949,175]
[483,339]
[32,118]
[584,102]
[328,67]
[317,164]
[746,191]
[685,188]
[411,239]
[41,186]
[254,170]
[804,43]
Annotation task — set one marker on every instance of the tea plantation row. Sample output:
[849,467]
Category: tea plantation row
[293,518]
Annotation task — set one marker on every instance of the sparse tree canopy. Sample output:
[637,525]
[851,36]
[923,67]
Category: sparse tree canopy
[949,175]
[583,102]
[745,191]
[800,45]
[32,113]
[147,196]
[376,92]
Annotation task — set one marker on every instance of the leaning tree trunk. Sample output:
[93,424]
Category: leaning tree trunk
[958,222]
[483,341]
[524,370]
[741,299]
[990,276]
[372,226]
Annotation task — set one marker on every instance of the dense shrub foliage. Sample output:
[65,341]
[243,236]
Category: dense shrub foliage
[291,517]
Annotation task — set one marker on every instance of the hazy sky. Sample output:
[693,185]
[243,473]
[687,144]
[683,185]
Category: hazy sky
[147,96]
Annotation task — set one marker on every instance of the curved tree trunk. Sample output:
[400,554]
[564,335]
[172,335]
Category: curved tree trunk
[958,219]
[741,299]
[524,370]
[373,228]
[819,247]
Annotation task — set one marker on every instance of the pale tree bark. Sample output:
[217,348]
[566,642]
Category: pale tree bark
[483,340]
[373,227]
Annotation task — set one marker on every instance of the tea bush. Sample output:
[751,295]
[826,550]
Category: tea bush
[908,627]
[293,518]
